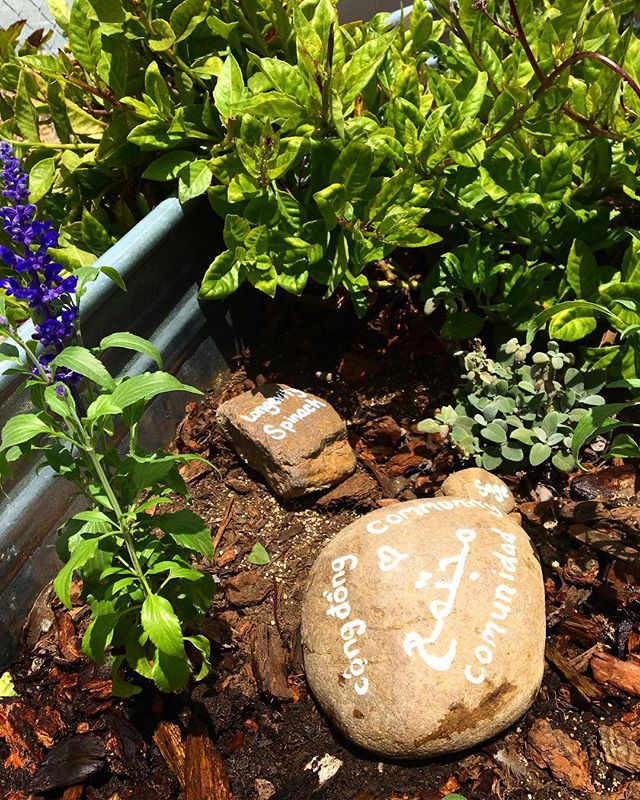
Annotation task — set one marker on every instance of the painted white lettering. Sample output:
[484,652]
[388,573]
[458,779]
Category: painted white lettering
[340,564]
[489,633]
[509,538]
[377,527]
[483,654]
[508,563]
[274,433]
[505,593]
[340,608]
[350,649]
[441,608]
[354,628]
[501,611]
[444,505]
[475,677]
[500,493]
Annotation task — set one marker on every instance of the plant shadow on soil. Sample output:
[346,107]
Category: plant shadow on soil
[383,375]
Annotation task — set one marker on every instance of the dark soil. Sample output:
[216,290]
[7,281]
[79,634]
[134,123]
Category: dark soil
[253,718]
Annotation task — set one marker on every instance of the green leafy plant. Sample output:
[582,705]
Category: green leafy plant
[543,216]
[312,185]
[520,408]
[621,355]
[138,569]
[330,148]
[604,421]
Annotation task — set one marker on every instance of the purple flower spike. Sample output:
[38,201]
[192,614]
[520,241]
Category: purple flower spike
[37,278]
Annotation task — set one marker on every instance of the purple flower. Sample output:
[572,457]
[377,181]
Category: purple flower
[37,279]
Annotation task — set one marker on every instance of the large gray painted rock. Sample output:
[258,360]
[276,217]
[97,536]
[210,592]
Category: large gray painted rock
[424,627]
[298,442]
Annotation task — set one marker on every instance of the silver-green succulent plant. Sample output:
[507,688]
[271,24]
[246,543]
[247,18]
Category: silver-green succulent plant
[519,409]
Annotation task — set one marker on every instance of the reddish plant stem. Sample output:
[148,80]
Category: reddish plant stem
[522,38]
[608,62]
[481,5]
[547,80]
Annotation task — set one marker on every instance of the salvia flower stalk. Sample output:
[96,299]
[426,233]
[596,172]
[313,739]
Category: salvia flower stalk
[144,588]
[37,279]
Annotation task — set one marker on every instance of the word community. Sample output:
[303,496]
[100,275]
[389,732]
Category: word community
[379,526]
[271,406]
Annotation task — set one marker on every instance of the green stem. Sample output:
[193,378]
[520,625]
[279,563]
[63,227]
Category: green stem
[123,523]
[249,28]
[186,69]
[11,334]
[456,27]
[327,85]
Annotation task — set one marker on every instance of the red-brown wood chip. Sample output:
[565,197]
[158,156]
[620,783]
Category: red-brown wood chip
[565,758]
[205,776]
[619,749]
[623,675]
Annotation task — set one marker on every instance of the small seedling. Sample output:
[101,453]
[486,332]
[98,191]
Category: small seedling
[259,555]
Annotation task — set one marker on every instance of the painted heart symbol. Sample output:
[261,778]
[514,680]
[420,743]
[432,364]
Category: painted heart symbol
[389,559]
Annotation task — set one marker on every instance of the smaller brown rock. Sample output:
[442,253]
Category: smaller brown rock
[297,441]
[247,589]
[478,484]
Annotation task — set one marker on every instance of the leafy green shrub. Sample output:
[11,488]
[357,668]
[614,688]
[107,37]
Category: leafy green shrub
[519,408]
[330,146]
[621,355]
[604,420]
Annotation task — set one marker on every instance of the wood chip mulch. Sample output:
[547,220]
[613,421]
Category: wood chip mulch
[251,731]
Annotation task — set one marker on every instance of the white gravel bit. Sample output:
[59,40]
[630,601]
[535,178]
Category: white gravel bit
[326,767]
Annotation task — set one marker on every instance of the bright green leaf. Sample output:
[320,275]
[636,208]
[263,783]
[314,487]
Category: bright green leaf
[259,555]
[160,622]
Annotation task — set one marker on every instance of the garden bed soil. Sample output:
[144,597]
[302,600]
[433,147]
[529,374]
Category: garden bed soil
[249,730]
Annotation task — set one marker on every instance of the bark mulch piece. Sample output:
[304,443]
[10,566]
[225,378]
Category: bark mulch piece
[251,731]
